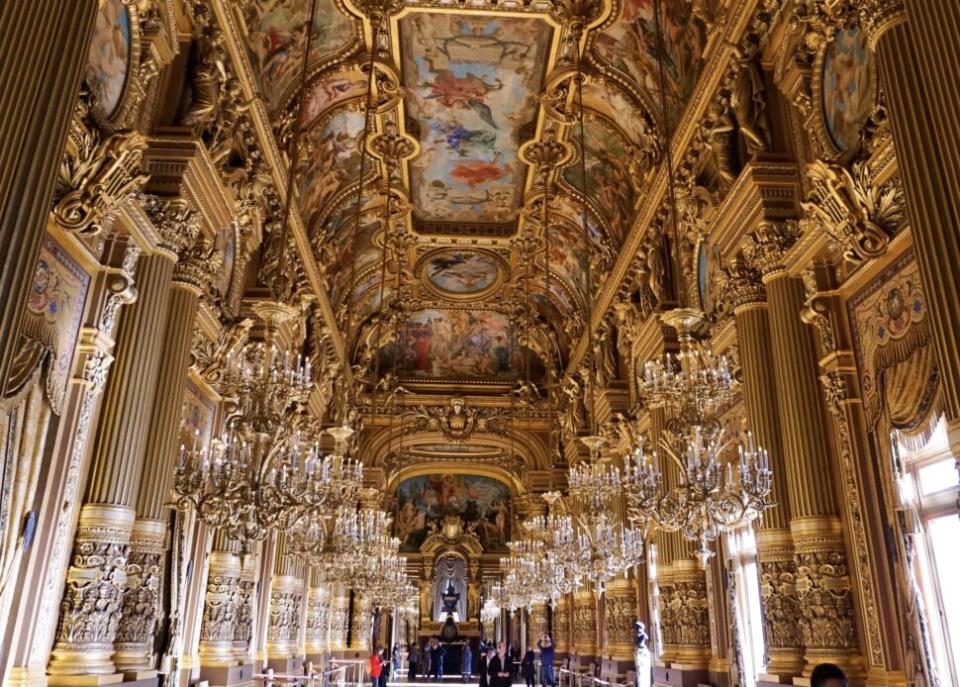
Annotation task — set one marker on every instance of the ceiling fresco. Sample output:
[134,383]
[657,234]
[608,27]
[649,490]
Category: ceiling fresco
[276,34]
[472,84]
[629,45]
[471,90]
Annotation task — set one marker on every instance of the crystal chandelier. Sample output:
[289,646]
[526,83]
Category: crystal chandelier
[246,482]
[711,496]
[522,574]
[559,573]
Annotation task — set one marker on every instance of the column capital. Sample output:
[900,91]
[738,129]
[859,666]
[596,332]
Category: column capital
[879,16]
[744,284]
[177,222]
[767,245]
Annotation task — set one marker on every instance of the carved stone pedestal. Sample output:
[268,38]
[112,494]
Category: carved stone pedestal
[141,600]
[220,611]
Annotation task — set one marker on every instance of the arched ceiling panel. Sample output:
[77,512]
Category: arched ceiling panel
[629,45]
[276,35]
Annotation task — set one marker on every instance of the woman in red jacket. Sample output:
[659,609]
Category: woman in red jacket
[376,666]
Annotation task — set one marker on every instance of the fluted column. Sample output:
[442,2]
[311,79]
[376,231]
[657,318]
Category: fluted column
[147,558]
[96,580]
[917,44]
[827,625]
[774,542]
[43,56]
[218,626]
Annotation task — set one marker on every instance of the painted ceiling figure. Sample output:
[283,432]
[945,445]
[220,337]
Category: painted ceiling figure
[465,93]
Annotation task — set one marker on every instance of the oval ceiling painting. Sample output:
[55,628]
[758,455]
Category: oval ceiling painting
[847,87]
[108,58]
[461,274]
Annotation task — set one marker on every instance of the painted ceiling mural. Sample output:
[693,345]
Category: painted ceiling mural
[469,88]
[482,502]
[276,34]
[630,46]
[458,344]
[472,84]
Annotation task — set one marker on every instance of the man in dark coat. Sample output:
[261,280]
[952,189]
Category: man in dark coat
[500,668]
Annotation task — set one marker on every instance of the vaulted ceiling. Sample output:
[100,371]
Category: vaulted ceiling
[466,99]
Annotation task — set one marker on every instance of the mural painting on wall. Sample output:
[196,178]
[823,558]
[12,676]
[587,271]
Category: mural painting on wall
[848,87]
[333,160]
[58,295]
[630,45]
[470,344]
[480,501]
[609,181]
[472,84]
[568,255]
[892,342]
[277,31]
[353,253]
[199,413]
[108,59]
[462,272]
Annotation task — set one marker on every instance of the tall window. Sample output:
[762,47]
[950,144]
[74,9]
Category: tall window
[748,612]
[928,490]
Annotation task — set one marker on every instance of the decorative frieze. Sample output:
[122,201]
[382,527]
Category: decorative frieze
[283,631]
[141,599]
[218,626]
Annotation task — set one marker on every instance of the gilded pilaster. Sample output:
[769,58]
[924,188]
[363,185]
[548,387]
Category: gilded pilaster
[243,628]
[685,616]
[774,543]
[916,44]
[84,643]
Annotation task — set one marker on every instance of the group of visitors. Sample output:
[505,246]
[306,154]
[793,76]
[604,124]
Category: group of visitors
[498,665]
[427,662]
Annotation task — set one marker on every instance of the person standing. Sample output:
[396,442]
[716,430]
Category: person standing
[385,665]
[546,660]
[439,653]
[376,666]
[485,657]
[427,659]
[827,675]
[414,662]
[499,669]
[527,666]
[395,658]
[466,663]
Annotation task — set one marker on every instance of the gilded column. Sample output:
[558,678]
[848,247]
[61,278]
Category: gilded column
[774,543]
[43,56]
[243,628]
[685,616]
[339,608]
[919,62]
[619,615]
[147,558]
[561,625]
[220,604]
[585,625]
[538,624]
[361,625]
[92,602]
[318,616]
[286,602]
[827,627]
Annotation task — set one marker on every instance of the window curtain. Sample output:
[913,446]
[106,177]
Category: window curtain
[447,570]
